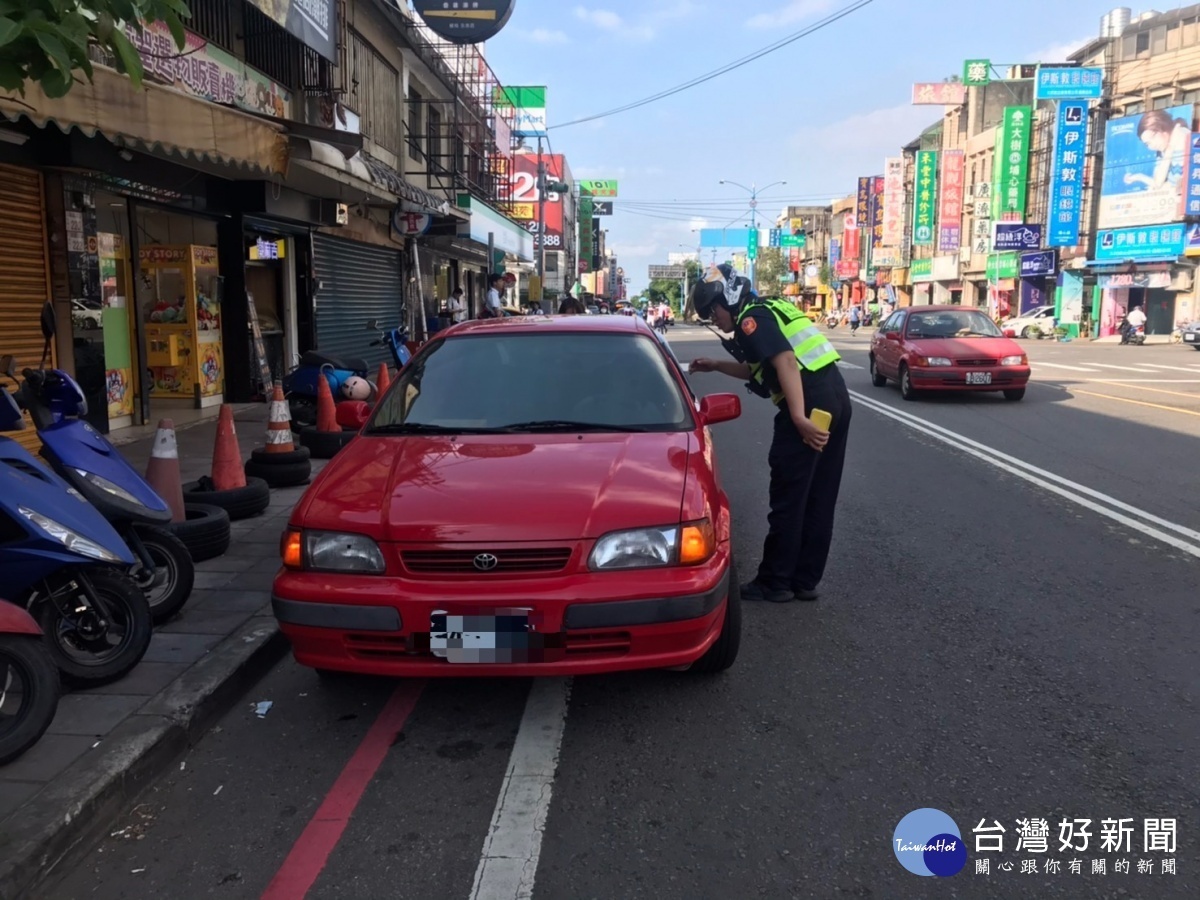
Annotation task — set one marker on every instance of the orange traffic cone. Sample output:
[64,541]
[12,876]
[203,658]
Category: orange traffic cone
[162,472]
[227,473]
[326,411]
[383,380]
[279,428]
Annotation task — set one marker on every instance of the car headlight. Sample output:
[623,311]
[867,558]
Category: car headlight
[1014,360]
[108,487]
[72,540]
[935,361]
[651,547]
[336,552]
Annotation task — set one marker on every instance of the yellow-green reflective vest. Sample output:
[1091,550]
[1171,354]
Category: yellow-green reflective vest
[812,348]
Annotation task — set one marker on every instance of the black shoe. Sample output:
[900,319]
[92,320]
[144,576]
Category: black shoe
[806,594]
[755,592]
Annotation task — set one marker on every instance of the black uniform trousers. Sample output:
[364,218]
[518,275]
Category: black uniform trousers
[804,488]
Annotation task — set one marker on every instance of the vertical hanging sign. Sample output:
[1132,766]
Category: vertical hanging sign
[1014,163]
[925,199]
[950,204]
[893,201]
[1066,181]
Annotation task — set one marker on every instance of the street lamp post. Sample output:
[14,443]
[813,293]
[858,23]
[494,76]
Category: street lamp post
[754,192]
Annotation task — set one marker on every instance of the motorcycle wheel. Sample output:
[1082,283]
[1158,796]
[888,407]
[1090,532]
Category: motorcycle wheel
[29,692]
[169,584]
[91,648]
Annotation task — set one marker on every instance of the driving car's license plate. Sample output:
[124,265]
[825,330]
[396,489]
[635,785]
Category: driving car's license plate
[495,636]
[979,378]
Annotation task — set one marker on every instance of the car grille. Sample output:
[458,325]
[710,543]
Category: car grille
[462,562]
[977,362]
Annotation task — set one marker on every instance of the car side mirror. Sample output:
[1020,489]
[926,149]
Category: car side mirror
[716,408]
[892,336]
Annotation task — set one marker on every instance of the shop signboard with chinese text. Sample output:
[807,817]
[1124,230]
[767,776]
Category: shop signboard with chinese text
[939,93]
[523,192]
[1034,265]
[1192,201]
[1146,242]
[1070,83]
[862,216]
[528,105]
[1013,155]
[875,233]
[1066,179]
[465,23]
[600,188]
[977,72]
[1145,159]
[894,201]
[950,203]
[1002,265]
[1015,236]
[851,241]
[314,22]
[921,270]
[925,198]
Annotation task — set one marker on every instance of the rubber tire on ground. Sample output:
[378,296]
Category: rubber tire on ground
[877,379]
[165,546]
[325,444]
[907,391]
[1014,394]
[118,590]
[240,503]
[721,655]
[279,475]
[205,532]
[300,454]
[303,412]
[37,711]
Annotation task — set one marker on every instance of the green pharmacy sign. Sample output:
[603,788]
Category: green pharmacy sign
[925,199]
[977,72]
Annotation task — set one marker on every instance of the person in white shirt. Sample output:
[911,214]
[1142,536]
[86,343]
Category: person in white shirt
[491,306]
[1136,317]
[457,306]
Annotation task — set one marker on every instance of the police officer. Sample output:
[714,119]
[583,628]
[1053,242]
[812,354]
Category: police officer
[784,356]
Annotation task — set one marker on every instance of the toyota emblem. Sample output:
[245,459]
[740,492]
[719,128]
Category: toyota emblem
[485,562]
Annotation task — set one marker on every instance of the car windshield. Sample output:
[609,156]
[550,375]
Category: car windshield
[506,383]
[951,323]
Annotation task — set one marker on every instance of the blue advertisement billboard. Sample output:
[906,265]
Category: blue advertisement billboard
[1145,161]
[1066,181]
[1070,83]
[1145,243]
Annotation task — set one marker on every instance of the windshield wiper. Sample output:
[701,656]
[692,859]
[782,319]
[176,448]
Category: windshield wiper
[569,425]
[426,428]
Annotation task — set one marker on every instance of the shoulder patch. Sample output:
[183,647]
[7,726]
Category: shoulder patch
[749,325]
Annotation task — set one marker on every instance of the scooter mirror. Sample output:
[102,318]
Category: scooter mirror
[48,323]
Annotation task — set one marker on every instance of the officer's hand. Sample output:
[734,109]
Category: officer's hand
[815,437]
[703,364]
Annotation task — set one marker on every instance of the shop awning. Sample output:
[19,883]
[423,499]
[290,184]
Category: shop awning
[507,235]
[364,173]
[156,117]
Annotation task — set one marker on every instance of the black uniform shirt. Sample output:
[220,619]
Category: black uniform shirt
[761,338]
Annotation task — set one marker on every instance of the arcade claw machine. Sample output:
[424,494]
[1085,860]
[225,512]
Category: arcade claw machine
[180,304]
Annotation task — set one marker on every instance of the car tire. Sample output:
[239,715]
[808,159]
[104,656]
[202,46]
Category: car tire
[41,689]
[240,503]
[721,655]
[1014,394]
[280,475]
[325,444]
[877,379]
[907,391]
[205,532]
[1025,332]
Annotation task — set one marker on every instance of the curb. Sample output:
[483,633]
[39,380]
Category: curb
[59,824]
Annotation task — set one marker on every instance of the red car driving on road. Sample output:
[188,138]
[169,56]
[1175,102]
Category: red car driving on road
[533,496]
[947,348]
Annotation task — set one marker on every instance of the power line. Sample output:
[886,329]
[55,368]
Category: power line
[736,64]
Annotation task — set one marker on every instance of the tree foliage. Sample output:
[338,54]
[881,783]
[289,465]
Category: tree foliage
[771,263]
[47,41]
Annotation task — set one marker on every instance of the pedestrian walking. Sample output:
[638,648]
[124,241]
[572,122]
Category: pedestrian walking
[783,355]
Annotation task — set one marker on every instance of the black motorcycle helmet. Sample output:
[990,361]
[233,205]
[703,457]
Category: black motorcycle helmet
[720,285]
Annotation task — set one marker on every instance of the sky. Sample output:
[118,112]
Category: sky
[817,113]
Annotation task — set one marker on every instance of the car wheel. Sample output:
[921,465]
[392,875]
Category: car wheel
[724,651]
[907,391]
[877,379]
[1014,394]
[1025,332]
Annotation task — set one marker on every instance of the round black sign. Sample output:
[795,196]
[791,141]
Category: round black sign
[465,21]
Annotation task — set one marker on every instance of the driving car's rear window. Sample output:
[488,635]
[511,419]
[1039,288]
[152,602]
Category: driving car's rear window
[951,323]
[508,381]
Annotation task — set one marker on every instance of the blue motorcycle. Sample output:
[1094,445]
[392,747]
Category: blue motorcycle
[86,460]
[64,563]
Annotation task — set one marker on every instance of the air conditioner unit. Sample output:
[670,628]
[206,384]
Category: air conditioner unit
[1182,280]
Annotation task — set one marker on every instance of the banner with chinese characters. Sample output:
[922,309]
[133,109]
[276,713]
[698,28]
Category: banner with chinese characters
[1013,173]
[950,203]
[925,198]
[1066,179]
[1140,244]
[1192,197]
[939,93]
[875,234]
[850,244]
[894,201]
[862,211]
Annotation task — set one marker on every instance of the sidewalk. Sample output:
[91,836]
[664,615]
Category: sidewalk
[108,743]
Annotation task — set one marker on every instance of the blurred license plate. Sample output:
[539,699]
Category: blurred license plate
[979,378]
[1191,336]
[497,636]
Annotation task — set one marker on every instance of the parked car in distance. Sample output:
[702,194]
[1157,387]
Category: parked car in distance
[946,348]
[495,518]
[1022,326]
[1191,335]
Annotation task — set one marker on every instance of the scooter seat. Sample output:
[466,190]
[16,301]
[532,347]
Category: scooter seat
[314,358]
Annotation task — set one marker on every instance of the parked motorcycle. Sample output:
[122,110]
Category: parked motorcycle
[29,685]
[65,564]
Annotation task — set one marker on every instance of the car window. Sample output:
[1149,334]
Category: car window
[490,382]
[894,323]
[951,323]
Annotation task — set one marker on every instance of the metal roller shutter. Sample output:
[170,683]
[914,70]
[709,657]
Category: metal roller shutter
[357,283]
[24,281]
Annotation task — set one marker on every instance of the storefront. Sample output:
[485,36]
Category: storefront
[355,283]
[947,286]
[1038,283]
[920,273]
[1153,291]
[1002,273]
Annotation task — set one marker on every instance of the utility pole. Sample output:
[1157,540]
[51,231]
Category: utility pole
[541,231]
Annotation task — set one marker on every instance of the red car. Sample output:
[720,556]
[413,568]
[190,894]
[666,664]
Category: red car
[532,496]
[947,348]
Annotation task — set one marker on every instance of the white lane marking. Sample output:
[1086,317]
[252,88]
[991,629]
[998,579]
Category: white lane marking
[1047,480]
[1069,379]
[1172,368]
[508,864]
[1123,368]
[1039,363]
[842,364]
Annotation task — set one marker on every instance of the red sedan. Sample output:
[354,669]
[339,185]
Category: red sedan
[533,496]
[947,348]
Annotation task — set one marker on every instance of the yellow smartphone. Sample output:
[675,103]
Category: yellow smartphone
[821,419]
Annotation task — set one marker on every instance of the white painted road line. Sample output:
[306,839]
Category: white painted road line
[1038,363]
[509,862]
[1172,368]
[1124,368]
[1048,481]
[842,364]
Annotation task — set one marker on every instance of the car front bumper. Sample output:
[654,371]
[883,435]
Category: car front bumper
[954,378]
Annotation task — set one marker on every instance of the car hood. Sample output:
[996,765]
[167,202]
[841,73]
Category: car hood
[967,348]
[490,488]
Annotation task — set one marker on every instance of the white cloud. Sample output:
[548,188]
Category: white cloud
[601,18]
[545,36]
[861,142]
[1056,52]
[790,13]
[645,27]
[698,223]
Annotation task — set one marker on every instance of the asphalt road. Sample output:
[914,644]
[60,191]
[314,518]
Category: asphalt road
[986,645]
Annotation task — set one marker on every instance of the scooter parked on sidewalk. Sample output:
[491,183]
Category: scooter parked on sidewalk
[65,564]
[29,684]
